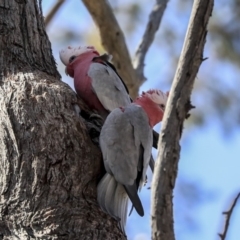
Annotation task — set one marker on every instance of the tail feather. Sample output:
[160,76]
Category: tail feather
[124,211]
[131,210]
[110,202]
[132,194]
[113,199]
[121,204]
[152,163]
[102,189]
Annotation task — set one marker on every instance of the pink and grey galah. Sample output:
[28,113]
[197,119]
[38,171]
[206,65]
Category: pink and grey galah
[126,143]
[95,79]
[97,82]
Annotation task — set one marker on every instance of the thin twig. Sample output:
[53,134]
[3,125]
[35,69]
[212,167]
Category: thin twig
[177,108]
[152,26]
[113,41]
[228,217]
[53,11]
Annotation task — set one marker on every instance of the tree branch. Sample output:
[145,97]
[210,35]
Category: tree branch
[176,111]
[148,37]
[53,11]
[228,216]
[113,41]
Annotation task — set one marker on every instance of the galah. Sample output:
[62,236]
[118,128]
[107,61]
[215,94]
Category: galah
[97,82]
[95,79]
[126,143]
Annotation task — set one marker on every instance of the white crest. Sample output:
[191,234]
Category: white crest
[68,52]
[157,96]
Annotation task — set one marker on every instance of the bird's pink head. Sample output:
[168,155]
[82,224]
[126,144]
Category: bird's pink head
[70,55]
[153,102]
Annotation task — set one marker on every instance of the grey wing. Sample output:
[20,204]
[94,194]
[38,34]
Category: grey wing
[143,133]
[121,138]
[108,87]
[118,147]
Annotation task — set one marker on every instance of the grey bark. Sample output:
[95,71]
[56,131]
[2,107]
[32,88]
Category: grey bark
[152,26]
[176,111]
[48,163]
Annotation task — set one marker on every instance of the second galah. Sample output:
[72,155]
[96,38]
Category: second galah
[95,79]
[126,143]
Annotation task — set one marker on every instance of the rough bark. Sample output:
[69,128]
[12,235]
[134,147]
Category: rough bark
[48,163]
[176,111]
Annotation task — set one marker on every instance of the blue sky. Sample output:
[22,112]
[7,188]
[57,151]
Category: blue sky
[209,159]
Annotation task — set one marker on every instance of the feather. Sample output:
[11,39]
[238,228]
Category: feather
[113,199]
[132,194]
[152,163]
[102,189]
[121,204]
[110,197]
[108,87]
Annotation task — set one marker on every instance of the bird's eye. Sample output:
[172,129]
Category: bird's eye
[71,58]
[162,106]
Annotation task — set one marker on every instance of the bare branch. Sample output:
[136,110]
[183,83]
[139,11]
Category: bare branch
[228,216]
[153,24]
[176,111]
[113,41]
[53,11]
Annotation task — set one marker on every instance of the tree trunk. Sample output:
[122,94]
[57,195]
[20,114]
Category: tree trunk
[48,163]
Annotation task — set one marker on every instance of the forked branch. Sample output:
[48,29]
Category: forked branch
[228,217]
[176,111]
[153,24]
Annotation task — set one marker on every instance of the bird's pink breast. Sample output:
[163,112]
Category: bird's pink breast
[83,83]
